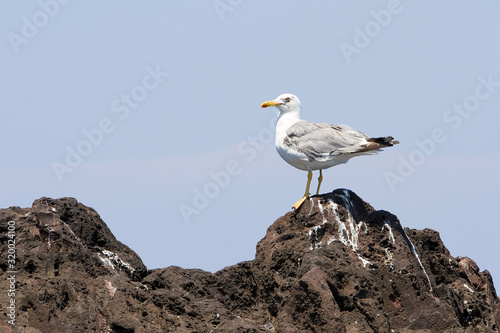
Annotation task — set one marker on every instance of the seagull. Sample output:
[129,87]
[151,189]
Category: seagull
[316,146]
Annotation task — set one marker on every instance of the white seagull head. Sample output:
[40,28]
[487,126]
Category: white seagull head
[285,103]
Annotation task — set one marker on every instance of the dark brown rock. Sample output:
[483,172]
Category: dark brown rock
[336,265]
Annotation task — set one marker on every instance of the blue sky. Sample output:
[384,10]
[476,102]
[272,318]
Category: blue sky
[150,113]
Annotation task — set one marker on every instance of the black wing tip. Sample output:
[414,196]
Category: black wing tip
[384,141]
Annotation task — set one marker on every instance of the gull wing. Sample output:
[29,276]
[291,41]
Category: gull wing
[323,141]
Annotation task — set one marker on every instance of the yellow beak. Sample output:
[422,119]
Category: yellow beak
[270,103]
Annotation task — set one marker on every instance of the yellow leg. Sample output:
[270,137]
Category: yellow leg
[320,179]
[306,195]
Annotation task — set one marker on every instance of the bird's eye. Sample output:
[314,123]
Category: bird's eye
[287,99]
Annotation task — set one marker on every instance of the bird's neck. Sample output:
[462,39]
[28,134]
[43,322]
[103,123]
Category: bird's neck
[285,120]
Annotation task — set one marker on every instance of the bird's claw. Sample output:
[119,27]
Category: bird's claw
[299,203]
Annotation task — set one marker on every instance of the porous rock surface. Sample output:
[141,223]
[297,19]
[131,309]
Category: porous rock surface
[335,265]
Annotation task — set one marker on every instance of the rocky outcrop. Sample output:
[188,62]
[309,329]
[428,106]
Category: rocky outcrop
[336,265]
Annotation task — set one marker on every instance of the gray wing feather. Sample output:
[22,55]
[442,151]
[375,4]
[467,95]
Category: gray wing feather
[320,140]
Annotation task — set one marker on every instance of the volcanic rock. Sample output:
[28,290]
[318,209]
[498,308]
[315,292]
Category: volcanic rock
[335,265]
